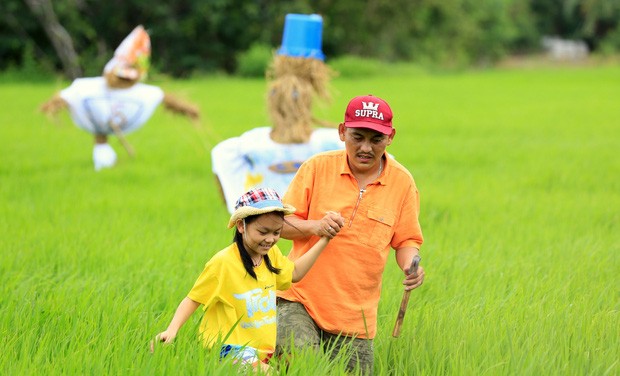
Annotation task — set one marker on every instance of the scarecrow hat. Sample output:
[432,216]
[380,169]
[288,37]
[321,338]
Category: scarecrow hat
[131,58]
[258,201]
[302,36]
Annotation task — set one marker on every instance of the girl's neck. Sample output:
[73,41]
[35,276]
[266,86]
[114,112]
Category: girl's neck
[257,262]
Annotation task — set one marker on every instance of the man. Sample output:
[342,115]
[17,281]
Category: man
[373,203]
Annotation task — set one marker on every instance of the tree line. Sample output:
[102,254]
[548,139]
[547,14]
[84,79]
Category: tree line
[77,37]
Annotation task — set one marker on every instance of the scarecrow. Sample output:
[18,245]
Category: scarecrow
[270,156]
[116,103]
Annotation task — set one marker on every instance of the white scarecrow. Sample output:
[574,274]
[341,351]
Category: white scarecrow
[270,156]
[116,103]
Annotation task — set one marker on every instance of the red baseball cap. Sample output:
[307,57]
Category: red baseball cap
[368,111]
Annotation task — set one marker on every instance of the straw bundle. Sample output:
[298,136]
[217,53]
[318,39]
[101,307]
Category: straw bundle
[293,84]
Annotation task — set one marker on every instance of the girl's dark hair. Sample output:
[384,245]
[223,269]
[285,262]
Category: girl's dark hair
[245,256]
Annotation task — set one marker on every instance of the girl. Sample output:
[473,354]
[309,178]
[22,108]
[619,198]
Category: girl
[238,285]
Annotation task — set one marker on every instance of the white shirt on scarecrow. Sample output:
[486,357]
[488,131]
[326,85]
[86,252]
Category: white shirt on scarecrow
[254,160]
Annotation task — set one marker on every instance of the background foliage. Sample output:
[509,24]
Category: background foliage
[193,36]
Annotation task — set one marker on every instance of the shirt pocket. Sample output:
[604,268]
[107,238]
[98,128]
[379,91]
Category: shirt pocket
[378,233]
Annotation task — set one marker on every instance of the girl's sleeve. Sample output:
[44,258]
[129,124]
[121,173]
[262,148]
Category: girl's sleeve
[207,286]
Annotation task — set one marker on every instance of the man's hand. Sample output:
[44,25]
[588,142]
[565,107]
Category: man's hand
[330,225]
[415,279]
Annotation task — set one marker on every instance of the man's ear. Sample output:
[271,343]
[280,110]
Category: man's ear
[341,130]
[391,136]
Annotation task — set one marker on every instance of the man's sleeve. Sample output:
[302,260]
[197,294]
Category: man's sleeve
[299,192]
[408,232]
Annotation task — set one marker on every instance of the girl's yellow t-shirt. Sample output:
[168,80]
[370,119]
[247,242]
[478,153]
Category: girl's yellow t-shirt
[241,310]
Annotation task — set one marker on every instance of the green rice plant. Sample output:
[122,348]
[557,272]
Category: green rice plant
[518,175]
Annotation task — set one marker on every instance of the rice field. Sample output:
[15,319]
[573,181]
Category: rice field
[519,174]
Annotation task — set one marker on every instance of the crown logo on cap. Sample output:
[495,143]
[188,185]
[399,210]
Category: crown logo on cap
[370,106]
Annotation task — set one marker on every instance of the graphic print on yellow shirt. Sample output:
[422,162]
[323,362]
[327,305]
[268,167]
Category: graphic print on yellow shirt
[258,303]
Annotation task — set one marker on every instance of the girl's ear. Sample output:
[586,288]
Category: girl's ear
[240,226]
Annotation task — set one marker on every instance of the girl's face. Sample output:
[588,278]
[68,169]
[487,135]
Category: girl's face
[261,234]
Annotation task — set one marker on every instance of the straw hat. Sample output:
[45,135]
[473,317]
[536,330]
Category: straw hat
[258,201]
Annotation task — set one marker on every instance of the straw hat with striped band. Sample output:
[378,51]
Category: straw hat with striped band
[258,201]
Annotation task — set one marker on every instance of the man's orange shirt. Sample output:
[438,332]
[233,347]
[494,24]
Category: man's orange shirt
[341,291]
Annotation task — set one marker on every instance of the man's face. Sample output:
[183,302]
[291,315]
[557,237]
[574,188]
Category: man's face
[365,147]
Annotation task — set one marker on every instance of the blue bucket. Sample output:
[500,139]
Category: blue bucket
[302,36]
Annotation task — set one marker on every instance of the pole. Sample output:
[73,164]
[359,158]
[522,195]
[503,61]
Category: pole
[405,301]
[121,137]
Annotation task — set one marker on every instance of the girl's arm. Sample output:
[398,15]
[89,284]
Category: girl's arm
[305,262]
[184,311]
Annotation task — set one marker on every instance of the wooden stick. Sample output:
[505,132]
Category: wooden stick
[121,137]
[405,301]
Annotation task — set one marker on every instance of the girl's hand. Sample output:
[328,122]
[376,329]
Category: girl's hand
[323,241]
[167,336]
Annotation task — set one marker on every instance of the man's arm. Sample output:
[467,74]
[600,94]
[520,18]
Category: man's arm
[297,228]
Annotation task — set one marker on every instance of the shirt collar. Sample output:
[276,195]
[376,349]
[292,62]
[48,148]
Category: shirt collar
[346,170]
[382,176]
